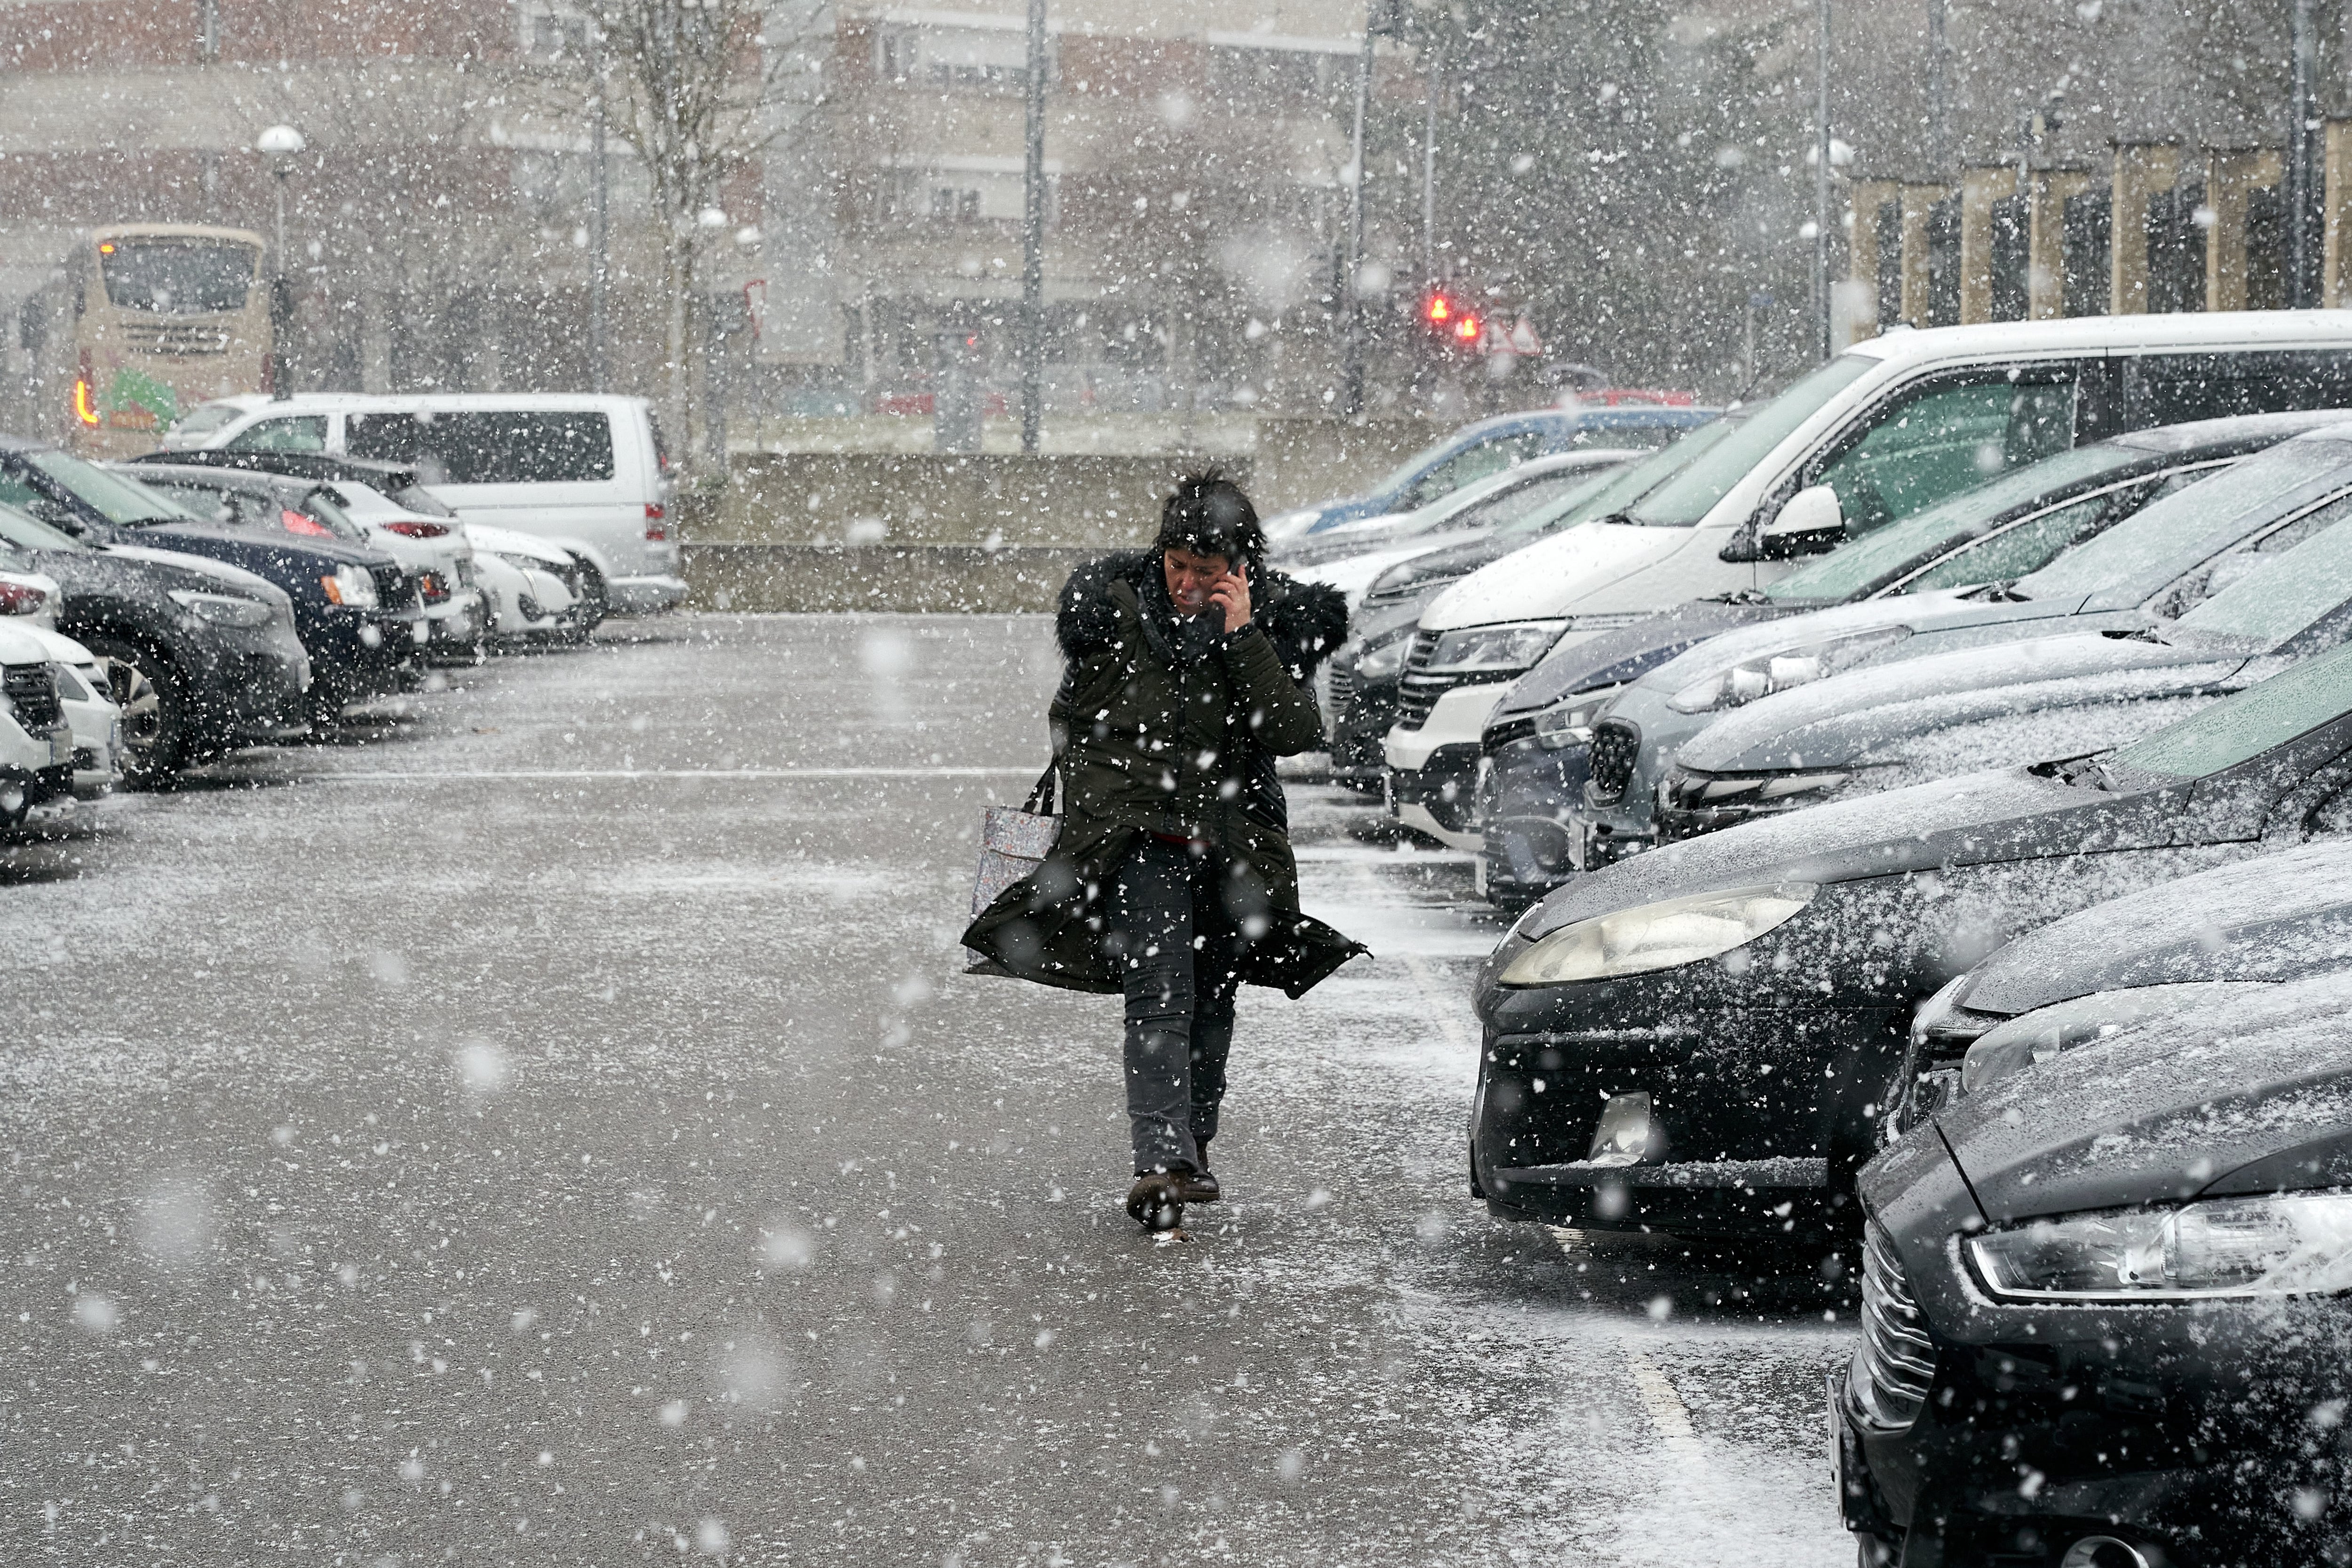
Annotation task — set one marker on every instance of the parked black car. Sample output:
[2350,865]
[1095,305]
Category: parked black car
[1885,726]
[1704,1038]
[201,656]
[1539,742]
[2240,930]
[2104,1318]
[356,610]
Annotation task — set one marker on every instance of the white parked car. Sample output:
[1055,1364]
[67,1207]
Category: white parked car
[528,582]
[30,601]
[37,745]
[583,471]
[1891,426]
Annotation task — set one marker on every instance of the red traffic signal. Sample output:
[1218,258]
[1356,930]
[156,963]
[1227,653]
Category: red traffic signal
[1452,321]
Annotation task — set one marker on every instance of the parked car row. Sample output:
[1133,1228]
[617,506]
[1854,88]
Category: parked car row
[162,611]
[1971,901]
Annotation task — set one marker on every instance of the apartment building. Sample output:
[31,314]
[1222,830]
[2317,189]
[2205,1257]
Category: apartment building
[440,223]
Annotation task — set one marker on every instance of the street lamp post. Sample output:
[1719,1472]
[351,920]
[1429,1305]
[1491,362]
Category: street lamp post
[281,144]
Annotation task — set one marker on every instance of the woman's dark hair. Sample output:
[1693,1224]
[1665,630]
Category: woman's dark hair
[1208,515]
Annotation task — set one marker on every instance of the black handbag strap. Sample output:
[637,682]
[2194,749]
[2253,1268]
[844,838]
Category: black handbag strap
[1041,799]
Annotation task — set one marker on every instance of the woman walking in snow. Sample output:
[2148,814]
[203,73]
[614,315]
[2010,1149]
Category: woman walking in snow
[1188,671]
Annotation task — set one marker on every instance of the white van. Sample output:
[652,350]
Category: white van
[583,471]
[1893,425]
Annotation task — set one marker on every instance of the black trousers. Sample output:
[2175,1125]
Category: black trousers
[1182,915]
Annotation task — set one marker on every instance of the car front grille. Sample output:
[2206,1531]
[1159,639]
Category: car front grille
[1616,747]
[394,588]
[1886,1384]
[1343,692]
[1422,689]
[32,692]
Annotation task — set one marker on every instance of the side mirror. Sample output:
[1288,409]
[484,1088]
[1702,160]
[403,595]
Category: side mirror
[1810,523]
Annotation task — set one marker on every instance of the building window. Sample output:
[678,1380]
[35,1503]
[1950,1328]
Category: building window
[952,60]
[551,36]
[945,197]
[1277,78]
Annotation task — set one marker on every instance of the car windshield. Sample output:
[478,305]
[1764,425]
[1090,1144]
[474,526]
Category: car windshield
[421,501]
[1682,500]
[2285,593]
[327,507]
[31,533]
[1856,567]
[2293,702]
[1558,507]
[122,501]
[206,419]
[1401,477]
[1537,495]
[2145,541]
[1621,488]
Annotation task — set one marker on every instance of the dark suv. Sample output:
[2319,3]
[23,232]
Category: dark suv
[357,611]
[201,656]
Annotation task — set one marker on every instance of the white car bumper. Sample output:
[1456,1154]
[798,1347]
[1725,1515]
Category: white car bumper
[1460,715]
[643,595]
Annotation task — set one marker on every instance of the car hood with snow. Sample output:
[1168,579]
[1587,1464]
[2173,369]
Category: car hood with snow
[1592,567]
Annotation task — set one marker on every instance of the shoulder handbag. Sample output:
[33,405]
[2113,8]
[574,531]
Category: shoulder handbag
[1013,841]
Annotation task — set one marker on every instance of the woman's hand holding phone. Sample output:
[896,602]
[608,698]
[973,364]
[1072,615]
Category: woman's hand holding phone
[1231,594]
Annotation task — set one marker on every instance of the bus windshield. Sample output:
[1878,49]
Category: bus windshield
[176,276]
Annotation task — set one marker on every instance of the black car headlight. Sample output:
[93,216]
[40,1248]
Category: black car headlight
[1568,721]
[2018,1042]
[222,609]
[1694,791]
[2286,1244]
[1734,685]
[1651,937]
[1383,658]
[1500,648]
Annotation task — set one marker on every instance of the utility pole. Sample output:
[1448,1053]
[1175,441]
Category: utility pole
[1033,238]
[600,249]
[1821,186]
[1429,181]
[2303,291]
[1939,146]
[1351,371]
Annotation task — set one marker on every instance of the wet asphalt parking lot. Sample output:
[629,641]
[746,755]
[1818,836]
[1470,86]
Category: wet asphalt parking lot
[551,1126]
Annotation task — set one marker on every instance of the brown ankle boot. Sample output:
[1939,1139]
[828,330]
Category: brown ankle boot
[1156,1201]
[1199,1186]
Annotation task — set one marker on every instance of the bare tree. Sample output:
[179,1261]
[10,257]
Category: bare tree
[701,90]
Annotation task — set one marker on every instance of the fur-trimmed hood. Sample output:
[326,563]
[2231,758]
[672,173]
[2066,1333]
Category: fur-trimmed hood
[1306,622]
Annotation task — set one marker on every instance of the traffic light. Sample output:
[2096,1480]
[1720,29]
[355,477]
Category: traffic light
[1451,322]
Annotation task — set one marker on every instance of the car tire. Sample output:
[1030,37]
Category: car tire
[594,606]
[323,705]
[158,720]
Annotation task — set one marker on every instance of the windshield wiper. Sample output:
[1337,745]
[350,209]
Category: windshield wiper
[2003,593]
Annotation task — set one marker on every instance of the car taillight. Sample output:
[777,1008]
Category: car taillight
[433,586]
[293,522]
[657,526]
[21,598]
[410,529]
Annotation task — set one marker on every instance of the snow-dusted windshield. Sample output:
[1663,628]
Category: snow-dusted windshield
[2155,535]
[2288,704]
[1681,501]
[2288,591]
[1628,485]
[1866,562]
[31,533]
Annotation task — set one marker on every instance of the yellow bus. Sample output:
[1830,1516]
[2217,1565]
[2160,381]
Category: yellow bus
[160,317]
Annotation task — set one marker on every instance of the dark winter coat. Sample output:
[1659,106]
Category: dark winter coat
[1171,727]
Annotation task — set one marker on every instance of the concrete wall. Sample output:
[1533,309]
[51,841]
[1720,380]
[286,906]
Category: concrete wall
[982,532]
